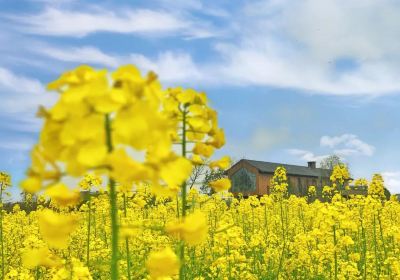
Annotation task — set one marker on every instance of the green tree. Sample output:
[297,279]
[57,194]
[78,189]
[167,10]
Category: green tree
[211,175]
[330,162]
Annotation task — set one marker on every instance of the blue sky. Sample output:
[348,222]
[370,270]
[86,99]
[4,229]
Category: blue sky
[292,80]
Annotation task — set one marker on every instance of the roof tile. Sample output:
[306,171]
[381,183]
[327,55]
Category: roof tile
[269,167]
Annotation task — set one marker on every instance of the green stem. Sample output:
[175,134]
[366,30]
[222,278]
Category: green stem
[114,209]
[336,260]
[183,197]
[88,233]
[37,273]
[177,207]
[284,240]
[94,223]
[383,243]
[281,259]
[128,261]
[183,193]
[377,266]
[364,248]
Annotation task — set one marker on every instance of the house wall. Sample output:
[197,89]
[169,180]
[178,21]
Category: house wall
[264,186]
[298,185]
[248,167]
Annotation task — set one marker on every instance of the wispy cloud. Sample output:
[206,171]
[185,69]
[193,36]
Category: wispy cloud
[170,66]
[21,97]
[84,54]
[21,94]
[330,47]
[17,146]
[344,146]
[392,181]
[269,43]
[306,155]
[350,143]
[10,81]
[54,21]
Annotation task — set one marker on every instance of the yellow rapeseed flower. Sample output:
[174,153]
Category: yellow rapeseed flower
[31,184]
[220,185]
[193,229]
[40,257]
[62,196]
[175,171]
[55,228]
[203,149]
[5,180]
[162,264]
[222,163]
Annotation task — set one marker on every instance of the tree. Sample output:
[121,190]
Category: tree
[207,171]
[198,172]
[387,193]
[330,162]
[211,175]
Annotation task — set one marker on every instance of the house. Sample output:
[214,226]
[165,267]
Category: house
[252,177]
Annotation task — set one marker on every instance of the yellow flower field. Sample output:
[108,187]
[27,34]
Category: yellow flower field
[227,238]
[107,197]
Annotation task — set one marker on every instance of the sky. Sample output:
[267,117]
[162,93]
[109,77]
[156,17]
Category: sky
[292,80]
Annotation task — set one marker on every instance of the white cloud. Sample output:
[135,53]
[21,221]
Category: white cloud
[21,122]
[351,143]
[365,29]
[62,22]
[296,44]
[21,94]
[392,181]
[170,66]
[277,43]
[20,97]
[345,145]
[10,81]
[85,54]
[306,155]
[345,152]
[24,145]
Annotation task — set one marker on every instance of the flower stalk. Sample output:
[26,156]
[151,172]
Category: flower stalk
[128,261]
[88,230]
[113,208]
[183,198]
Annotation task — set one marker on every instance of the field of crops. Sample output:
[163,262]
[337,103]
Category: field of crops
[249,239]
[131,214]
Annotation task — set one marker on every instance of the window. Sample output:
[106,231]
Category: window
[243,181]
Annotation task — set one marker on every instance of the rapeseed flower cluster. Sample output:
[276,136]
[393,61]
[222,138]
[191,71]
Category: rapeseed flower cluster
[340,175]
[279,182]
[376,187]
